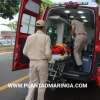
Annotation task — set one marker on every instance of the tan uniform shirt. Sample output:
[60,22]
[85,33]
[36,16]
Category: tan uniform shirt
[79,26]
[37,46]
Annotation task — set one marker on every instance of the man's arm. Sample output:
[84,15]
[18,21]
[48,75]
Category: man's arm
[73,29]
[48,48]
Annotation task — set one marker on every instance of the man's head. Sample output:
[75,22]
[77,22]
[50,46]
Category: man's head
[40,24]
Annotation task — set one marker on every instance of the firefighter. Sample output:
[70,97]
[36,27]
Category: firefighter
[80,41]
[37,49]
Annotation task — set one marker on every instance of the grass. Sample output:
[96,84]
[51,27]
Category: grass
[6,48]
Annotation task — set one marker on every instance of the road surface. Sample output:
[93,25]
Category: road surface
[7,76]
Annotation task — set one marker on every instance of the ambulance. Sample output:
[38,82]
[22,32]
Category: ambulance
[58,26]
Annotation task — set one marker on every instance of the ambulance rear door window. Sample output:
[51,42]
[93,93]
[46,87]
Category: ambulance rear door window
[27,24]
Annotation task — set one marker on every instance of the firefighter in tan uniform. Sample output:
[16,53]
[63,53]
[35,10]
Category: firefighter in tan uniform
[80,41]
[37,49]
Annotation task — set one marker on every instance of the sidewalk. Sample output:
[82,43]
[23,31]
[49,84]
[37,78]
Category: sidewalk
[2,53]
[6,49]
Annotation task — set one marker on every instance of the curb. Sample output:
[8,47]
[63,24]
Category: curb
[6,53]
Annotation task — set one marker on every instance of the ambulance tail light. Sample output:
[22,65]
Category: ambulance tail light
[98,69]
[97,60]
[16,54]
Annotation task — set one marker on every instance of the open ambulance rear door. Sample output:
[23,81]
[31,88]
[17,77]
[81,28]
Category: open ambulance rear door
[97,48]
[28,14]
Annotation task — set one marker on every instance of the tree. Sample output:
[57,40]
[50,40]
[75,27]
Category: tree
[44,5]
[12,25]
[8,8]
[98,1]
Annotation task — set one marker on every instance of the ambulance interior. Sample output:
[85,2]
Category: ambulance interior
[59,29]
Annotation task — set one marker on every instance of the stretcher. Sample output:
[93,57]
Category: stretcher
[56,67]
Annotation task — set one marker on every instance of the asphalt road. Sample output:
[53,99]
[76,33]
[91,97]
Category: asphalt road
[6,73]
[6,76]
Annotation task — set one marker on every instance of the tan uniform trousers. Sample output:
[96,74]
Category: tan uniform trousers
[79,45]
[38,73]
